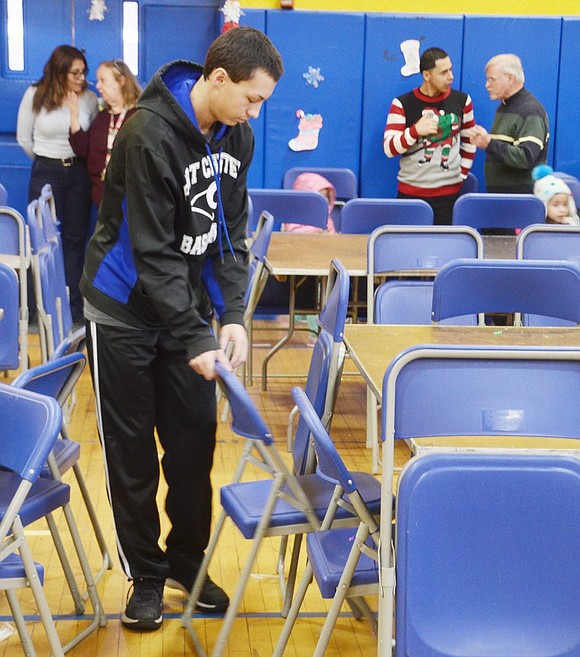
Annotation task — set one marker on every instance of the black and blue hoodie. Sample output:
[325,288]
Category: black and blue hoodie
[171,228]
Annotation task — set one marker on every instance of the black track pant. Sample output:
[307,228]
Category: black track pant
[143,383]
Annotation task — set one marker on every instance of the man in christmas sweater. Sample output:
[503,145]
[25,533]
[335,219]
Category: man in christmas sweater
[519,135]
[428,128]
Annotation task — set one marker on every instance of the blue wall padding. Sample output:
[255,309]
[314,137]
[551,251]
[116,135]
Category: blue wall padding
[257,18]
[535,40]
[384,81]
[333,43]
[178,25]
[358,54]
[566,151]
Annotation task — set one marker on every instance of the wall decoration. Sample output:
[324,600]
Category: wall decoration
[232,13]
[97,10]
[410,50]
[313,77]
[309,126]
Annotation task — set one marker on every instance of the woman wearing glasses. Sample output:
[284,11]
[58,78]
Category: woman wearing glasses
[119,90]
[42,131]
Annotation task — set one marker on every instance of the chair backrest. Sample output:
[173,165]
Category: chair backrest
[541,287]
[470,185]
[364,215]
[246,420]
[56,378]
[330,465]
[13,235]
[332,319]
[498,210]
[289,206]
[3,195]
[343,179]
[75,342]
[405,301]
[573,183]
[488,555]
[50,223]
[34,221]
[548,242]
[257,275]
[54,307]
[494,391]
[9,304]
[406,249]
[315,388]
[30,424]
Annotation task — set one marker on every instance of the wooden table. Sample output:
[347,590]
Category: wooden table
[373,347]
[296,255]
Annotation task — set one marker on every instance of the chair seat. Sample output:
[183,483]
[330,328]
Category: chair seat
[45,496]
[244,501]
[67,453]
[12,568]
[328,551]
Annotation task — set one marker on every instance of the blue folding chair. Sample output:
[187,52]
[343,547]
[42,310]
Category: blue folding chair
[30,426]
[58,378]
[488,556]
[541,287]
[52,300]
[405,251]
[15,252]
[548,242]
[283,504]
[494,392]
[289,206]
[10,306]
[343,179]
[498,210]
[344,561]
[364,215]
[470,185]
[3,195]
[257,279]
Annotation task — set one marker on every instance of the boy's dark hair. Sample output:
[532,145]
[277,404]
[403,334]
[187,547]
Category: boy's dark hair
[429,58]
[242,50]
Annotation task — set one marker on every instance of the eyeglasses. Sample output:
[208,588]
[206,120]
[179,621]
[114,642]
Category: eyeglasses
[78,74]
[495,79]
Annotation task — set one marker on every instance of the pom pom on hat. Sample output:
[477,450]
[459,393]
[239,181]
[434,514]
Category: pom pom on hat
[541,171]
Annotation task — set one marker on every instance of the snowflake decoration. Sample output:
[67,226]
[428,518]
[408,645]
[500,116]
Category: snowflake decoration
[97,10]
[313,77]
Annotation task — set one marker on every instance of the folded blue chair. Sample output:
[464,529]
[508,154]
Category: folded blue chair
[485,210]
[488,556]
[363,215]
[344,561]
[283,504]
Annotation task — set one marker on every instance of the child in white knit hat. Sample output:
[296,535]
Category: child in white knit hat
[556,196]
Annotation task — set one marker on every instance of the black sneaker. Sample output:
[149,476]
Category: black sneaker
[144,610]
[213,598]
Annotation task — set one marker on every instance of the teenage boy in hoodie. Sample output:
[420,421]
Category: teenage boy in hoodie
[168,248]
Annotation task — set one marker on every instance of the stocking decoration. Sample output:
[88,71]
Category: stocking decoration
[410,50]
[308,128]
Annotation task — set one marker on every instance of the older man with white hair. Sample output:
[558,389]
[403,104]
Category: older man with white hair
[518,140]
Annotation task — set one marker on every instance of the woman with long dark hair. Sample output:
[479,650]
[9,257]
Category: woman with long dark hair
[43,132]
